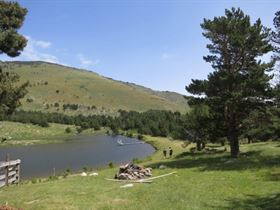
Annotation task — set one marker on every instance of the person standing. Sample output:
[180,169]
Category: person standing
[164,153]
[170,152]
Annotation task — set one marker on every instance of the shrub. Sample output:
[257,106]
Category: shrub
[128,134]
[79,130]
[111,165]
[68,130]
[192,149]
[29,100]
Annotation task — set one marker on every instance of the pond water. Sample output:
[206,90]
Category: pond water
[81,151]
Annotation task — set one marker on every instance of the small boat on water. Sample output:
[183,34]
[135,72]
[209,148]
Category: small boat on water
[121,143]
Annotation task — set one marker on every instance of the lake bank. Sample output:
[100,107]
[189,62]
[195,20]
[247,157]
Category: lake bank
[203,181]
[14,133]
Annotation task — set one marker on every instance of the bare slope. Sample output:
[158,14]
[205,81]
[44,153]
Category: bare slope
[52,86]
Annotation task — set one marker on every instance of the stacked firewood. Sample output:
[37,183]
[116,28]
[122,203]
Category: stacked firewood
[131,171]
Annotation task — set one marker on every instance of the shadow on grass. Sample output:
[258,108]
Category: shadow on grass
[196,154]
[223,162]
[269,202]
[272,176]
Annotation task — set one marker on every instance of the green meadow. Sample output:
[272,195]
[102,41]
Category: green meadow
[204,180]
[27,134]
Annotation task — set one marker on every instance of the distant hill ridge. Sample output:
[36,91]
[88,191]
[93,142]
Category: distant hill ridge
[57,88]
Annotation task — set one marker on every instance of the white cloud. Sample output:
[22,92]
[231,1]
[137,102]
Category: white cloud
[86,62]
[43,44]
[165,56]
[34,51]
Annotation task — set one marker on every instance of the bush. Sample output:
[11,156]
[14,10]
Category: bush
[52,178]
[29,100]
[68,130]
[192,149]
[111,165]
[79,130]
[128,134]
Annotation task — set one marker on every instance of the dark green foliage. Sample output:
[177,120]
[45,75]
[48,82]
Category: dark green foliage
[68,130]
[79,130]
[111,165]
[10,93]
[198,125]
[239,83]
[12,17]
[140,137]
[11,43]
[70,106]
[153,122]
[29,100]
[276,35]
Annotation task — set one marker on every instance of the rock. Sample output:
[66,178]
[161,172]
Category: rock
[93,174]
[131,171]
[84,174]
[162,167]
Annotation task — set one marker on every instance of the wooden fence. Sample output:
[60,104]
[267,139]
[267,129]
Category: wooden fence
[9,172]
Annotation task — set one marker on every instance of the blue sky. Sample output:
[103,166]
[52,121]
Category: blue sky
[155,43]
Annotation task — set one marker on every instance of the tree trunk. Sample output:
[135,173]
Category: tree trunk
[198,145]
[233,136]
[234,146]
[203,145]
[249,140]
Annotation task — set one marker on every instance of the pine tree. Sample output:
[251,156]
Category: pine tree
[240,81]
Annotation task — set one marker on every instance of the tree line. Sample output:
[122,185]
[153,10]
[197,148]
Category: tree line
[152,122]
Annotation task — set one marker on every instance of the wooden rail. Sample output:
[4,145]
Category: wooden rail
[9,172]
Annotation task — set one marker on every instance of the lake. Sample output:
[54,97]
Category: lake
[81,151]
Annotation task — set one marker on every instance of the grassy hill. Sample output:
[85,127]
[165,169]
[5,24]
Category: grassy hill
[52,85]
[203,181]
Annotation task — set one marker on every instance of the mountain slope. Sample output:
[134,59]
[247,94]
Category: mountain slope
[52,86]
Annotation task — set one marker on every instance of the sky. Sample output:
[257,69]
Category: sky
[154,43]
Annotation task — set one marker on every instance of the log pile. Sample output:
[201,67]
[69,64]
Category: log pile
[131,171]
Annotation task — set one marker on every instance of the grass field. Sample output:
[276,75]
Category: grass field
[51,84]
[203,181]
[26,134]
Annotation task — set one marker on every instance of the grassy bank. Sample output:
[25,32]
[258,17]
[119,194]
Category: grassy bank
[13,133]
[203,181]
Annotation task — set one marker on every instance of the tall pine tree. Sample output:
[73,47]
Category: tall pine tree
[239,82]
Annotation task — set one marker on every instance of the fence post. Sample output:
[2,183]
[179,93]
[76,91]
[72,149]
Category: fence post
[18,173]
[7,170]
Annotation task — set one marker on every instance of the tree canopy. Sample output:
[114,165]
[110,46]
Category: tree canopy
[11,19]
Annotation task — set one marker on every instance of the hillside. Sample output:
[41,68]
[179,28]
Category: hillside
[52,86]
